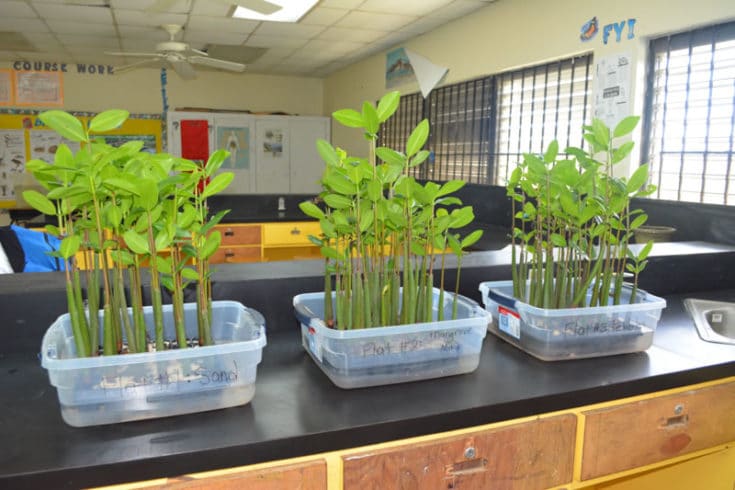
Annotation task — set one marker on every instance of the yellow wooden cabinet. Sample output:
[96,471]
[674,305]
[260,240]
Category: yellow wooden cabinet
[679,439]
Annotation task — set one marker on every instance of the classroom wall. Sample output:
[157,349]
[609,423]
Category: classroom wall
[514,33]
[139,91]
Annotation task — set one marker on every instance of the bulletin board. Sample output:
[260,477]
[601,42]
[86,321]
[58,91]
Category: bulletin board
[23,137]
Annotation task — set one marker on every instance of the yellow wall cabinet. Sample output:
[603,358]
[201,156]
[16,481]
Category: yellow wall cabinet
[680,439]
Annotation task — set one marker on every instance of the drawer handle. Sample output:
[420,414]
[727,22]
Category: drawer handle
[229,254]
[467,467]
[296,231]
[229,232]
[676,421]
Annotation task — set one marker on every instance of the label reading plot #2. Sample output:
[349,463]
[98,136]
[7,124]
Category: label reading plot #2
[509,322]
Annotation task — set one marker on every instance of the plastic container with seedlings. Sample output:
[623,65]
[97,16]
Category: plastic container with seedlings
[111,389]
[573,333]
[394,354]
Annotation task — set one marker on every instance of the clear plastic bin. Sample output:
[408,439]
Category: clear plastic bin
[111,389]
[394,354]
[572,333]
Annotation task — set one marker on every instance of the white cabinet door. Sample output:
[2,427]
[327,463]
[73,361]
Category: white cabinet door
[272,150]
[306,164]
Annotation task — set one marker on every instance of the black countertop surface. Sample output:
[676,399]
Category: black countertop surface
[297,411]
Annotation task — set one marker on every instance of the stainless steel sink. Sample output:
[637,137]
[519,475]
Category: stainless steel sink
[715,320]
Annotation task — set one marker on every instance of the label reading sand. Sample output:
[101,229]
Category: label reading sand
[444,341]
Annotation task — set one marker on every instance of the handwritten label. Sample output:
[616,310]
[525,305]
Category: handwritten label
[600,327]
[443,340]
[175,379]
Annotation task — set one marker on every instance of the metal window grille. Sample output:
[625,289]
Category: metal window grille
[539,104]
[690,115]
[533,105]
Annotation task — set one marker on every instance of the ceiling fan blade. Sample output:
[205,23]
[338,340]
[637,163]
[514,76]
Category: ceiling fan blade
[124,68]
[261,6]
[183,68]
[133,55]
[216,63]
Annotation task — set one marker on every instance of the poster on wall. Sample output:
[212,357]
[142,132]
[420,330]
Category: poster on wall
[12,160]
[398,69]
[273,143]
[149,140]
[195,139]
[236,140]
[6,87]
[612,90]
[39,88]
[45,142]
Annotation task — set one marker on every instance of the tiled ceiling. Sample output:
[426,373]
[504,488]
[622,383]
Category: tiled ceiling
[334,34]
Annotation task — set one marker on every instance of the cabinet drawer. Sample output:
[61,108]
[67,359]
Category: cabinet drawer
[239,234]
[640,433]
[234,255]
[289,234]
[530,455]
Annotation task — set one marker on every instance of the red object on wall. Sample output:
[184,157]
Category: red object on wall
[195,139]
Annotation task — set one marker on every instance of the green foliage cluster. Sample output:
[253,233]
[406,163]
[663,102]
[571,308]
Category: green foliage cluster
[118,209]
[573,222]
[382,231]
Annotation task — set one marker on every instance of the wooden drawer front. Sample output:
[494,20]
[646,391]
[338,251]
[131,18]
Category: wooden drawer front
[290,234]
[235,255]
[301,476]
[649,431]
[531,455]
[239,234]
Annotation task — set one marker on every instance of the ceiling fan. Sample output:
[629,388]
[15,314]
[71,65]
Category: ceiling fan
[179,56]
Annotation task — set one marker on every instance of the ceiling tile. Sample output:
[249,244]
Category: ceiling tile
[371,20]
[137,33]
[92,42]
[67,27]
[322,16]
[222,24]
[403,7]
[176,7]
[275,42]
[138,45]
[424,24]
[347,34]
[457,9]
[214,9]
[139,17]
[217,37]
[101,3]
[40,38]
[343,4]
[330,48]
[288,30]
[17,9]
[275,55]
[76,13]
[15,24]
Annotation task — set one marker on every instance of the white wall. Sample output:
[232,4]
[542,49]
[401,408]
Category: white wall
[139,91]
[514,33]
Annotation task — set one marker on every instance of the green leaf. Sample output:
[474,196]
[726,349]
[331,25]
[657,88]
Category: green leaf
[336,201]
[137,243]
[638,221]
[366,221]
[331,253]
[601,132]
[418,138]
[340,183]
[374,190]
[349,118]
[211,245]
[217,184]
[450,187]
[638,179]
[390,156]
[388,105]
[164,265]
[107,120]
[65,124]
[163,239]
[312,210]
[214,162]
[327,152]
[114,216]
[189,274]
[626,126]
[127,183]
[620,153]
[370,118]
[39,202]
[645,251]
[63,157]
[551,152]
[471,239]
[69,246]
[558,240]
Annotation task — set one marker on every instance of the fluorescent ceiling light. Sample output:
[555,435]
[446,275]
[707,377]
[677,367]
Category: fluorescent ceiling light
[288,10]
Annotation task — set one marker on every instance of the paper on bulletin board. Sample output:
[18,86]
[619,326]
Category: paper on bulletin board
[6,87]
[45,142]
[612,90]
[235,140]
[39,88]
[12,161]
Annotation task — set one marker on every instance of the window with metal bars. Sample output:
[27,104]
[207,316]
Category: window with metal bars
[539,104]
[468,141]
[690,115]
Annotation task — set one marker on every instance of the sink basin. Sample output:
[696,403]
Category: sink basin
[715,320]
